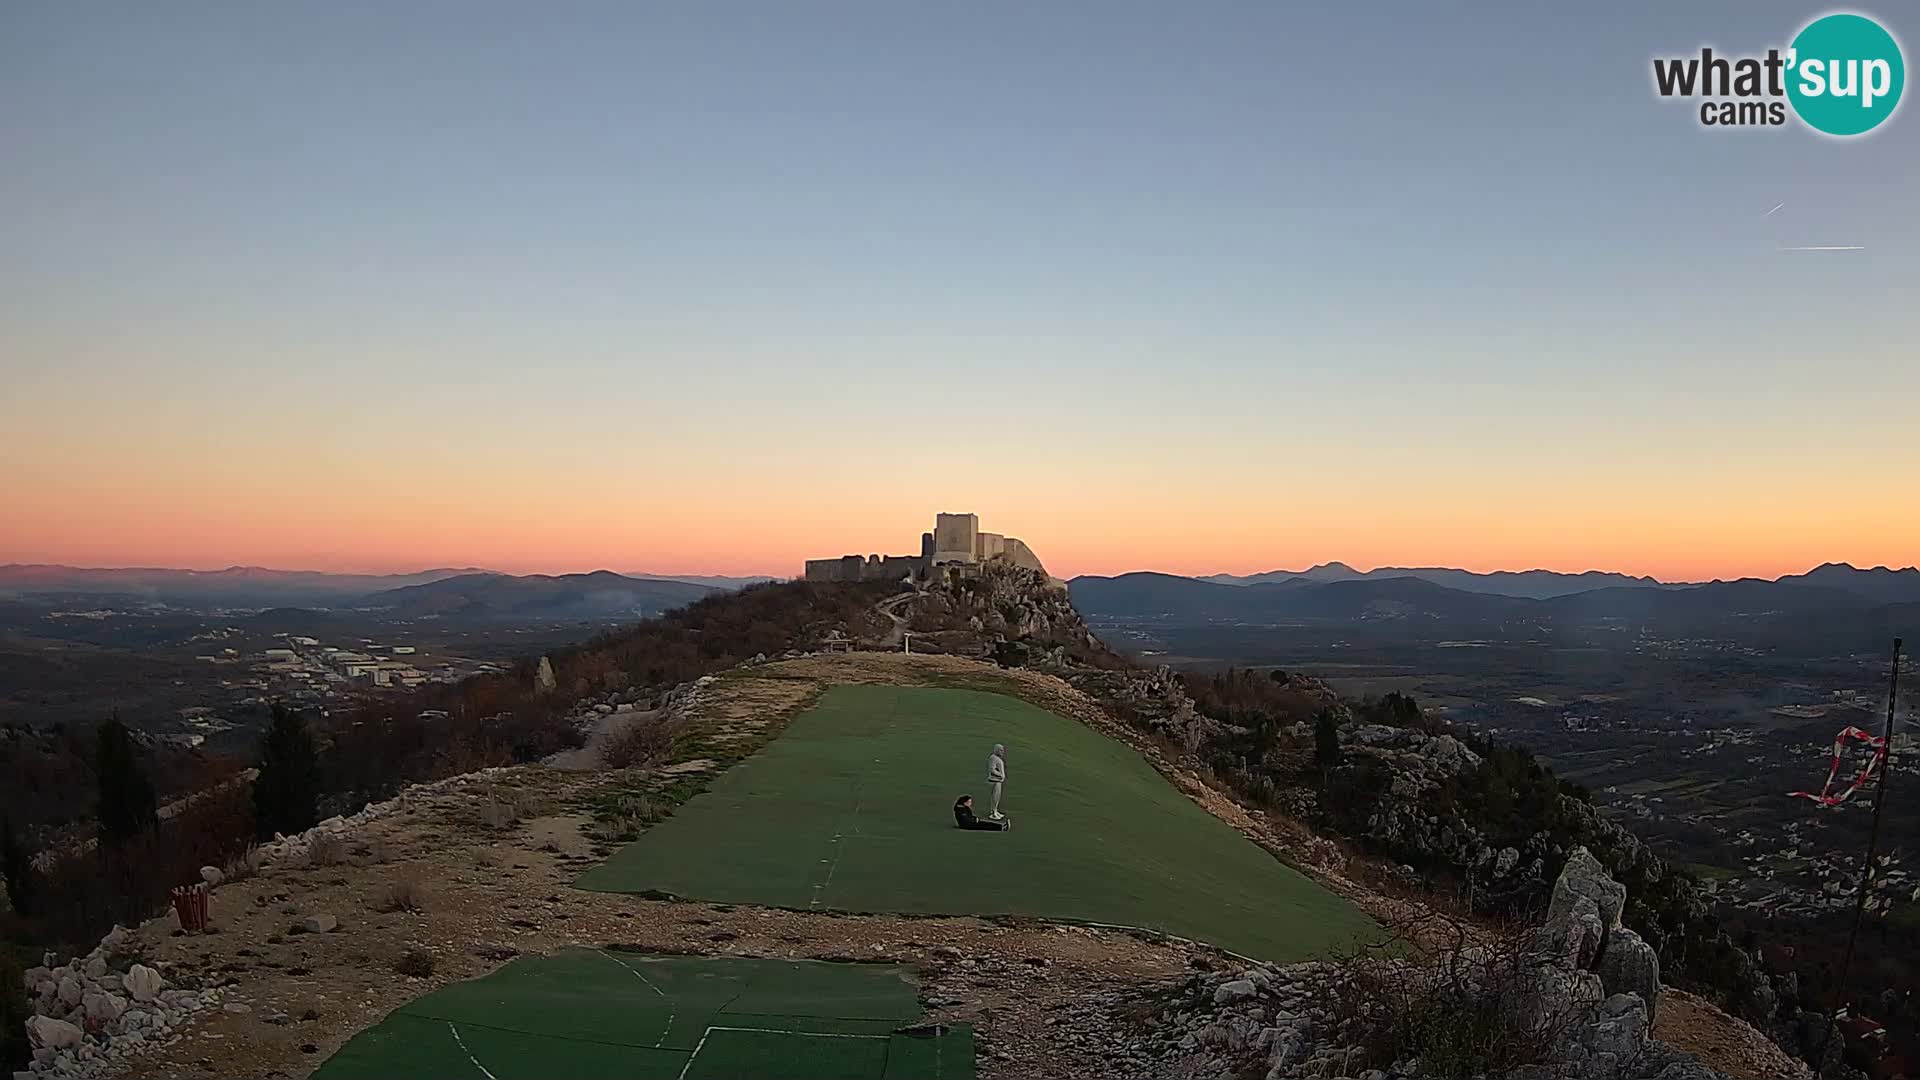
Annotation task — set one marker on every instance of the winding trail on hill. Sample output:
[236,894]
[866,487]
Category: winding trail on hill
[890,608]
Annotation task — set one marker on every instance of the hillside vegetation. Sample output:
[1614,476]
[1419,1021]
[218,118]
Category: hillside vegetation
[1484,823]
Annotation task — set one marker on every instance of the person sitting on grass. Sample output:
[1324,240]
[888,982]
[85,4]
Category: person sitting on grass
[963,817]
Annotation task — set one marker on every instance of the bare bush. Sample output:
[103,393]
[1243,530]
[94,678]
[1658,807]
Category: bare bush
[642,743]
[498,814]
[242,866]
[416,962]
[531,804]
[326,849]
[405,895]
[1478,1009]
[625,819]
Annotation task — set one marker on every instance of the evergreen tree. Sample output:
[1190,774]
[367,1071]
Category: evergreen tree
[1326,739]
[127,804]
[15,1049]
[16,862]
[286,794]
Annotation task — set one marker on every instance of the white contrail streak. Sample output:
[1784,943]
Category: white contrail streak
[1776,208]
[1827,247]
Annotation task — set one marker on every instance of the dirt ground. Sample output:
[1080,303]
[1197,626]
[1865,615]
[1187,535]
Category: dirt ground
[435,876]
[484,895]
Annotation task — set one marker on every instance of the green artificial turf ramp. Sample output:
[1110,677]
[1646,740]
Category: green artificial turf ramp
[851,809]
[600,1014]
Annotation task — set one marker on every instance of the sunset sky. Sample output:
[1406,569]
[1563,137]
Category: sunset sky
[719,287]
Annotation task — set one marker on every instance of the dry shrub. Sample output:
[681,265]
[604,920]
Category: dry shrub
[497,814]
[531,804]
[242,866]
[326,850]
[405,895]
[416,962]
[1477,1010]
[625,819]
[642,743]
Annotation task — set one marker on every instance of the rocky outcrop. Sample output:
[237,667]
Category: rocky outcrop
[1153,700]
[94,1011]
[997,607]
[1584,878]
[1315,1020]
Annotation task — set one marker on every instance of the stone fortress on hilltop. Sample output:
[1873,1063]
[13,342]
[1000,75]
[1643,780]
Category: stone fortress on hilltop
[956,540]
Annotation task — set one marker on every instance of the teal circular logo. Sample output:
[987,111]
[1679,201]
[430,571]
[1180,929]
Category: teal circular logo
[1845,74]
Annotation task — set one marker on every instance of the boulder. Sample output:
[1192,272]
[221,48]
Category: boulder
[1630,966]
[96,965]
[1560,997]
[318,923]
[212,875]
[69,991]
[1573,940]
[144,983]
[47,1033]
[1505,861]
[1622,1029]
[1450,754]
[103,1008]
[1584,876]
[116,937]
[1234,990]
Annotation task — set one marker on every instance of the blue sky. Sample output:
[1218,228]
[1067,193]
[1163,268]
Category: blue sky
[1454,261]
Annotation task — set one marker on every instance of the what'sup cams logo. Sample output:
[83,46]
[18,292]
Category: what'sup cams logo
[1842,75]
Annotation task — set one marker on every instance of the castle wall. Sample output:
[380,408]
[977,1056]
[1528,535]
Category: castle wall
[1022,555]
[955,539]
[864,568]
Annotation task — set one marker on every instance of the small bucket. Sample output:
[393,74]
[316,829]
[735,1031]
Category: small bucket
[190,906]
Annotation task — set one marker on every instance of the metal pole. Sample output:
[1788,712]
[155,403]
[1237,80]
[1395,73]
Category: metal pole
[1873,833]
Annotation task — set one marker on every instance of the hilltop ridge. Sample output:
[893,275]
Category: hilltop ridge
[1411,810]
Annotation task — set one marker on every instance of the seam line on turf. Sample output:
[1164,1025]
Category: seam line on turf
[672,1014]
[859,800]
[463,1049]
[543,1035]
[769,1031]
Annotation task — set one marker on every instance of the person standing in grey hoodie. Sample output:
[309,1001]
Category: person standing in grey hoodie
[996,777]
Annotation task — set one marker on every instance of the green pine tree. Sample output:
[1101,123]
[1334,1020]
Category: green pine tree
[1326,739]
[127,804]
[16,862]
[286,794]
[15,1050]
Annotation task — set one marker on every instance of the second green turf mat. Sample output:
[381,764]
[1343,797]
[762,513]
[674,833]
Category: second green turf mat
[596,1014]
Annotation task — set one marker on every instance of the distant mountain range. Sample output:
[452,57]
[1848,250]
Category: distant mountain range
[1534,584]
[599,595]
[718,581]
[1831,592]
[260,587]
[236,586]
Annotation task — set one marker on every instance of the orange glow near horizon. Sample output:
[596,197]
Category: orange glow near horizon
[300,522]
